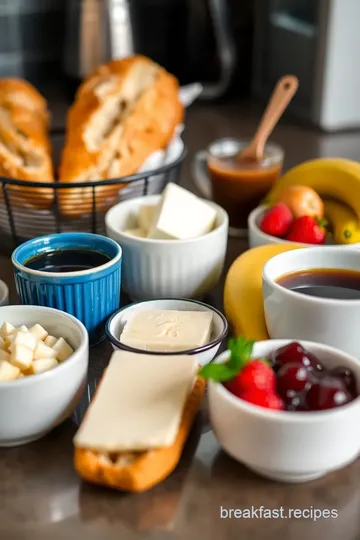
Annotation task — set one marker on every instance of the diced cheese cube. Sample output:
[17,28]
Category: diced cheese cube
[39,332]
[146,216]
[21,356]
[4,355]
[181,215]
[2,344]
[44,364]
[43,351]
[8,372]
[22,328]
[8,341]
[24,338]
[6,329]
[139,233]
[63,349]
[50,341]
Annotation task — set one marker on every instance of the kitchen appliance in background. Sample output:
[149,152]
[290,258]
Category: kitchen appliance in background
[96,31]
[31,37]
[197,40]
[318,41]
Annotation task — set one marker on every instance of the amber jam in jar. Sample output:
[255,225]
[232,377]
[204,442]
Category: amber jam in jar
[239,186]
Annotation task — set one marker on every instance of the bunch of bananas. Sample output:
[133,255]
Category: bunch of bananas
[337,181]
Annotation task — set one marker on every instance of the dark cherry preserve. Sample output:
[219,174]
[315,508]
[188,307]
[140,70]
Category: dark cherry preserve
[332,283]
[67,260]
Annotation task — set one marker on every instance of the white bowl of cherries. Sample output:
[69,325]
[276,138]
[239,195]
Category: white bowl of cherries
[288,410]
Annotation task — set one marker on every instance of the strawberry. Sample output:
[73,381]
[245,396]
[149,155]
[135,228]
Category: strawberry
[257,375]
[262,398]
[277,220]
[308,230]
[251,379]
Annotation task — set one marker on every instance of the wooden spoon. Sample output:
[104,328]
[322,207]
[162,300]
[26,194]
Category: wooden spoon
[280,99]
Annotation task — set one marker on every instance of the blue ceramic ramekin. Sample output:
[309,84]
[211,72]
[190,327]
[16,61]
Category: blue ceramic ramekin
[90,295]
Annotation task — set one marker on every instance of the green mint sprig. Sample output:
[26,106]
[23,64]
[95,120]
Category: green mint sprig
[240,354]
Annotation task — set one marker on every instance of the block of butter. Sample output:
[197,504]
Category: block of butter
[181,215]
[146,216]
[138,404]
[138,232]
[167,330]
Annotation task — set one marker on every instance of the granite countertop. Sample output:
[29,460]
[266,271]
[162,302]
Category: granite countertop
[42,498]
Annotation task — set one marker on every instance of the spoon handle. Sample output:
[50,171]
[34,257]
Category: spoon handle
[280,98]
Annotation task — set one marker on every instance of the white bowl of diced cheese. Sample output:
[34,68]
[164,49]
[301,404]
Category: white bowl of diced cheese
[168,327]
[173,244]
[44,357]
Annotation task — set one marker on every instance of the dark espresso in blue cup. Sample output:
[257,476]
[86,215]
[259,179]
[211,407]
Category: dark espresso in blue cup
[79,273]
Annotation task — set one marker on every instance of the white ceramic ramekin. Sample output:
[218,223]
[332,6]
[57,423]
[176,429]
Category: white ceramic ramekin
[205,353]
[167,268]
[4,293]
[32,406]
[287,446]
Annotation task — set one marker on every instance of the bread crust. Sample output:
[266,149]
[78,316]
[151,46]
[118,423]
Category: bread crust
[25,148]
[122,113]
[137,472]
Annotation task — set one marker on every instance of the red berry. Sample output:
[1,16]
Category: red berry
[277,220]
[347,377]
[312,362]
[294,353]
[307,230]
[234,386]
[257,374]
[254,375]
[269,400]
[292,378]
[327,393]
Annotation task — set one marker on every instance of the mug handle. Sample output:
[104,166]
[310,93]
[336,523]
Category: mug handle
[200,174]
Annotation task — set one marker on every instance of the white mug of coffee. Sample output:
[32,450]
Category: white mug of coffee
[314,294]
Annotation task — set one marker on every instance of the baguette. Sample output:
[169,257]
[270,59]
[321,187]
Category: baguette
[25,149]
[122,113]
[139,471]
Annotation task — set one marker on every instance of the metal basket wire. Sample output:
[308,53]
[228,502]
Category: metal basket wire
[30,209]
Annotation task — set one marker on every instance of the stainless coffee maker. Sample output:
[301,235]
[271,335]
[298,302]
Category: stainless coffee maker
[174,33]
[96,31]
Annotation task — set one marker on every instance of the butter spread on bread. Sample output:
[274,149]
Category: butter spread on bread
[122,113]
[139,403]
[144,407]
[25,149]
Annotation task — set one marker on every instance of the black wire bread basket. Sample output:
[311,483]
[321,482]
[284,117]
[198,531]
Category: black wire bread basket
[30,209]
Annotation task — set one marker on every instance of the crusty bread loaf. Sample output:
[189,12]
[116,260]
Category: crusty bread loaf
[122,113]
[25,149]
[140,471]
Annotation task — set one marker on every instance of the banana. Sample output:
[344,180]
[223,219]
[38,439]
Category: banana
[332,178]
[243,301]
[345,224]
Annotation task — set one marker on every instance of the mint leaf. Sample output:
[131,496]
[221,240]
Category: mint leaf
[218,372]
[240,353]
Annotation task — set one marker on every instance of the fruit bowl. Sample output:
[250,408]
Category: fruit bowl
[287,446]
[258,238]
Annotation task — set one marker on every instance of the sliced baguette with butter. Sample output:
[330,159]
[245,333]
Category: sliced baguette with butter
[137,424]
[123,112]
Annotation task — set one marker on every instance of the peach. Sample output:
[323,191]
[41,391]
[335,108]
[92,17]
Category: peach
[302,201]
